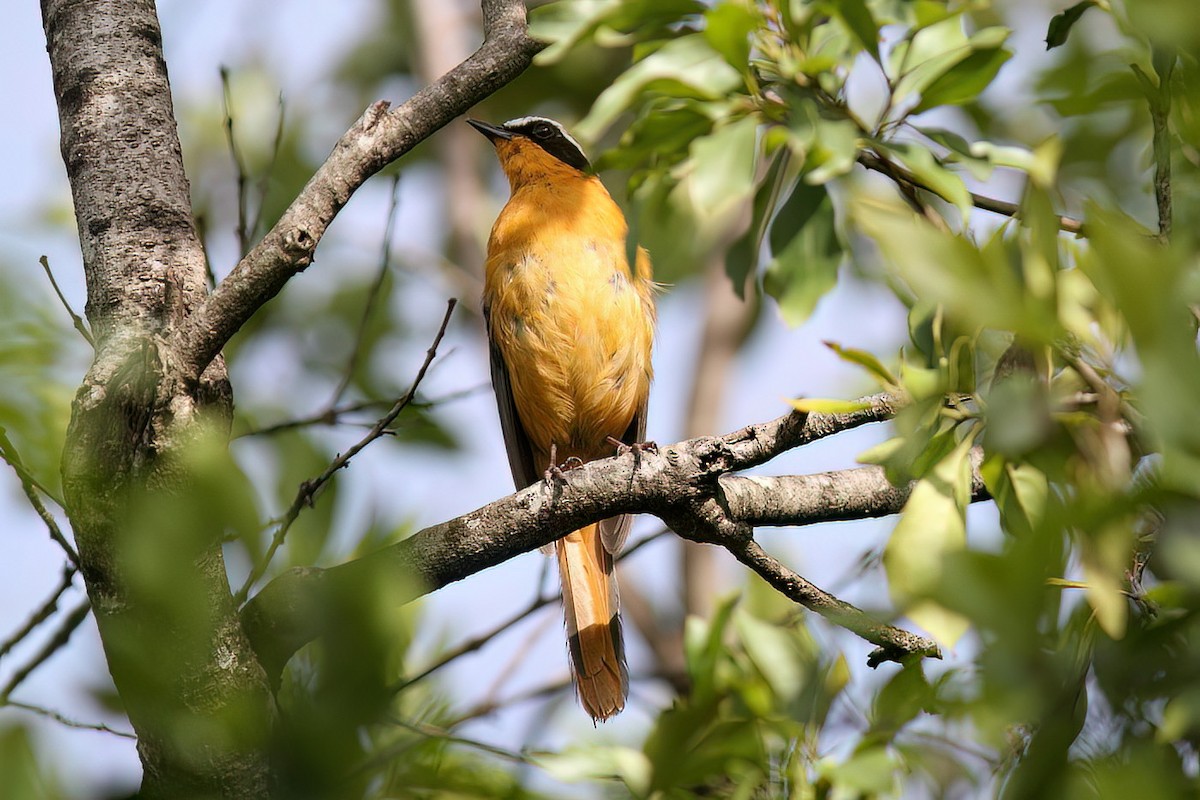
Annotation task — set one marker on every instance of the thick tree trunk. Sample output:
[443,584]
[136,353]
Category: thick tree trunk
[193,688]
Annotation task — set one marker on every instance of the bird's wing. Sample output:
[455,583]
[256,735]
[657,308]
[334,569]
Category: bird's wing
[520,453]
[615,530]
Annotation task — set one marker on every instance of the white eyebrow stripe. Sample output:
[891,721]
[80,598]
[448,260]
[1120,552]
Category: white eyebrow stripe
[519,121]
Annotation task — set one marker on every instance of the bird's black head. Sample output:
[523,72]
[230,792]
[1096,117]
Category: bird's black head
[547,134]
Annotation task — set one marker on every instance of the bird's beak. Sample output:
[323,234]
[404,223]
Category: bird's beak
[489,130]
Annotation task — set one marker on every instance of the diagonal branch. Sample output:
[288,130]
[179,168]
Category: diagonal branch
[907,180]
[893,643]
[378,138]
[309,489]
[684,485]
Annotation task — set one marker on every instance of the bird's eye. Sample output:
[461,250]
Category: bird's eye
[542,130]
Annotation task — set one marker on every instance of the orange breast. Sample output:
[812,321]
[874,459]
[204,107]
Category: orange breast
[573,323]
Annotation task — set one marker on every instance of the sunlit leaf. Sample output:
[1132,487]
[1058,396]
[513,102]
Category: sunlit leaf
[866,360]
[684,67]
[722,175]
[931,528]
[814,405]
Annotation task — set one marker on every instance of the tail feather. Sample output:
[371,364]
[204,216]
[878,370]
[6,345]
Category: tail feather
[591,609]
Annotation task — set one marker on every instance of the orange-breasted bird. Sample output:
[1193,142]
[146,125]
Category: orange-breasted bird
[570,326]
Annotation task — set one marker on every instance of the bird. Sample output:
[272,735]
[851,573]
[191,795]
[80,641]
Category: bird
[570,326]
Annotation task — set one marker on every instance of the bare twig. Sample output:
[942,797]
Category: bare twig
[477,642]
[334,416]
[239,165]
[264,180]
[41,614]
[76,320]
[42,711]
[31,487]
[908,180]
[309,489]
[61,636]
[893,643]
[379,137]
[385,260]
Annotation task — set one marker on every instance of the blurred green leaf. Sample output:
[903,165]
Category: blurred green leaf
[931,527]
[683,67]
[728,28]
[858,19]
[805,253]
[941,181]
[21,775]
[742,259]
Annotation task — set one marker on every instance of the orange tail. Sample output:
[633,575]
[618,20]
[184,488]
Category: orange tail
[593,624]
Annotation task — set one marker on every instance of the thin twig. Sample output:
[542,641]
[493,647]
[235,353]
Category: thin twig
[76,320]
[41,614]
[902,176]
[31,487]
[56,643]
[893,643]
[477,642]
[333,416]
[385,260]
[42,711]
[264,181]
[309,489]
[239,166]
[490,707]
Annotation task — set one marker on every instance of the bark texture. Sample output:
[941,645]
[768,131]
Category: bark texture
[194,689]
[192,686]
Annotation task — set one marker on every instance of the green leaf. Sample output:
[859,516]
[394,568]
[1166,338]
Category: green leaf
[865,360]
[935,177]
[813,405]
[683,67]
[722,175]
[593,763]
[1061,24]
[774,654]
[609,22]
[965,80]
[805,253]
[728,28]
[858,19]
[932,527]
[905,696]
[742,258]
[703,643]
[932,64]
[870,772]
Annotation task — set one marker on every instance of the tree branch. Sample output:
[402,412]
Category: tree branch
[897,173]
[379,137]
[681,484]
[309,489]
[893,643]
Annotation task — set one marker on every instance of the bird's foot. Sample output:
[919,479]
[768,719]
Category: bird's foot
[554,472]
[637,448]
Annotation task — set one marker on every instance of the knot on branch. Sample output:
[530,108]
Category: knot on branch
[299,245]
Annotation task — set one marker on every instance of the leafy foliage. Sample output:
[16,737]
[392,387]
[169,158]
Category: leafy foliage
[1050,355]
